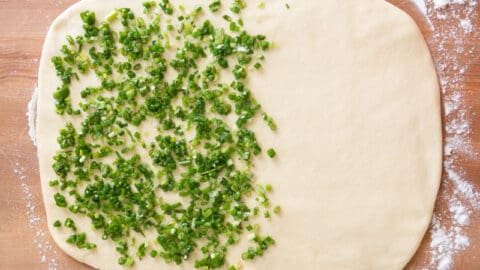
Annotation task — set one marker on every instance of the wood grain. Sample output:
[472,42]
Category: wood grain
[23,25]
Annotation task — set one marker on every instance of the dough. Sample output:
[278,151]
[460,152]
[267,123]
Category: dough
[355,94]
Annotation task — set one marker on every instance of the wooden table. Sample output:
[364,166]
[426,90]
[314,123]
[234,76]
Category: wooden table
[23,25]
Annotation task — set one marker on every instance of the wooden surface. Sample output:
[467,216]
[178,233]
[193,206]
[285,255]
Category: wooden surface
[23,25]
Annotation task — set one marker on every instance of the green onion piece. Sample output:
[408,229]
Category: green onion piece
[53,183]
[153,253]
[269,120]
[271,153]
[60,200]
[215,5]
[69,223]
[237,6]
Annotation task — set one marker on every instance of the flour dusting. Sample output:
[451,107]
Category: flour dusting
[31,115]
[439,4]
[48,254]
[448,229]
[421,5]
[466,25]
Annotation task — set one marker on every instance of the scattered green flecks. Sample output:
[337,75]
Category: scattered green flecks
[57,223]
[271,152]
[60,200]
[270,122]
[238,6]
[193,151]
[215,5]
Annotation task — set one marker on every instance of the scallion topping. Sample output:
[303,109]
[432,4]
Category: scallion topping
[163,69]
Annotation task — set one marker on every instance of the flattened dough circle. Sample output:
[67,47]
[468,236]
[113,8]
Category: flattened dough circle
[354,91]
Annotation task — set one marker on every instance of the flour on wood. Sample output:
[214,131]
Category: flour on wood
[46,251]
[448,230]
[31,115]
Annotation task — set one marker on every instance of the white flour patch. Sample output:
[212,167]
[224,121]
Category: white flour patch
[31,114]
[448,240]
[439,4]
[466,25]
[422,7]
[48,254]
[448,229]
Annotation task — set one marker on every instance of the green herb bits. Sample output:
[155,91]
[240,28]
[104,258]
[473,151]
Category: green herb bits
[151,148]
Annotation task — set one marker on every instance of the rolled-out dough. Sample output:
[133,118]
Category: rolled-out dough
[355,94]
